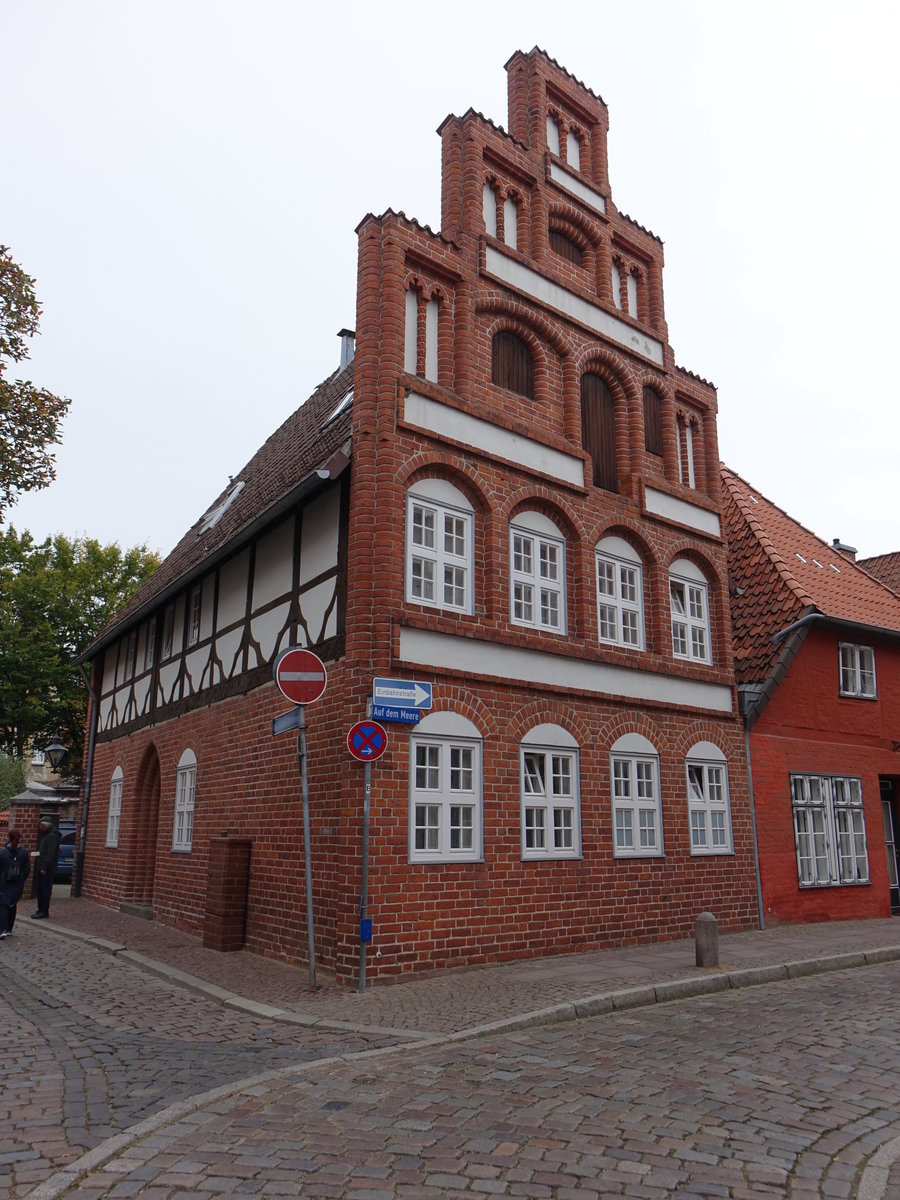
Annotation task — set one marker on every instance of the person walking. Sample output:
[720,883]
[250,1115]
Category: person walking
[15,863]
[48,856]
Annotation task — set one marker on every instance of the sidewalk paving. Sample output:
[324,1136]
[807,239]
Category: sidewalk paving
[462,1001]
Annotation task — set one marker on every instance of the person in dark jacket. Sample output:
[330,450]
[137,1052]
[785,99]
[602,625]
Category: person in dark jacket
[48,856]
[15,863]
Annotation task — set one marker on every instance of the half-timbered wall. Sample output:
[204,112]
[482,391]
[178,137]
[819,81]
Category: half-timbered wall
[281,589]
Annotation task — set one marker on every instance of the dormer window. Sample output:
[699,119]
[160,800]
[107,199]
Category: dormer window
[511,364]
[857,667]
[564,246]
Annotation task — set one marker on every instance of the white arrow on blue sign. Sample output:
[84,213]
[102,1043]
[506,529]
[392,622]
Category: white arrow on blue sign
[401,693]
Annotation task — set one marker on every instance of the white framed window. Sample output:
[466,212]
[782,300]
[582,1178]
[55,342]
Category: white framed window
[829,830]
[168,636]
[537,552]
[196,608]
[185,787]
[636,809]
[689,599]
[857,664]
[130,655]
[114,813]
[150,643]
[548,769]
[439,546]
[709,812]
[445,790]
[620,594]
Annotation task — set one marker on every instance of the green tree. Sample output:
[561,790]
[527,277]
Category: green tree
[30,417]
[12,779]
[56,596]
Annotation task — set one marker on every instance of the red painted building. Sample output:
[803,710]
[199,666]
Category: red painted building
[509,494]
[817,659]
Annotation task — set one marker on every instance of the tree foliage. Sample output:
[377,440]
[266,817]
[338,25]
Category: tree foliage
[56,596]
[30,417]
[12,779]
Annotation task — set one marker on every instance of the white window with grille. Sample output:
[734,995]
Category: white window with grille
[185,787]
[709,812]
[538,573]
[689,602]
[114,813]
[829,830]
[445,790]
[439,523]
[857,667]
[548,761]
[620,594]
[636,809]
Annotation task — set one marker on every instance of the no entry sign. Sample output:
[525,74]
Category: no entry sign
[367,741]
[300,675]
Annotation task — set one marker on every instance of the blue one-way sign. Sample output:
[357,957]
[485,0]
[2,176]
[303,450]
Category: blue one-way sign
[400,699]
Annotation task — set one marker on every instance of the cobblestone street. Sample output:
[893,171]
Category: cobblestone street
[782,1091]
[94,1045]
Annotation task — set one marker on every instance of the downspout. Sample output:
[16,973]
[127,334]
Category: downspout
[759,898]
[803,621]
[88,773]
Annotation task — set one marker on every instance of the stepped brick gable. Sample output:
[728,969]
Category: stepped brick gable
[510,494]
[817,660]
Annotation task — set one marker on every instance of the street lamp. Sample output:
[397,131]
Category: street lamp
[56,752]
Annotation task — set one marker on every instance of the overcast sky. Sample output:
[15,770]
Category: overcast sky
[184,177]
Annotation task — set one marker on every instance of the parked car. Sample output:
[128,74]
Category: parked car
[66,852]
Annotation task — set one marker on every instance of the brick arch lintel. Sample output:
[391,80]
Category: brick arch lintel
[442,465]
[532,327]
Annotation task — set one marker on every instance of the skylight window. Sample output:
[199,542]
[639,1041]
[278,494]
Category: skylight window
[818,564]
[342,406]
[800,556]
[215,515]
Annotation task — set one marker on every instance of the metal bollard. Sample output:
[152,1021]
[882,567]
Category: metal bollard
[707,940]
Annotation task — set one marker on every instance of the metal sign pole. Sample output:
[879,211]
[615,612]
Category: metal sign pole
[364,889]
[301,762]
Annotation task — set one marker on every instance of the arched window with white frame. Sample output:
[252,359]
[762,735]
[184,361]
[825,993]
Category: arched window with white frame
[114,813]
[551,825]
[689,600]
[620,594]
[636,807]
[537,552]
[445,789]
[709,811]
[439,546]
[185,788]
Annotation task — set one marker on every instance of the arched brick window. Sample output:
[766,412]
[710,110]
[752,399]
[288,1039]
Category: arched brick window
[598,430]
[511,364]
[565,247]
[653,439]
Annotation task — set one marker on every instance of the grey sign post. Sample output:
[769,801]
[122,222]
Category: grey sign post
[301,677]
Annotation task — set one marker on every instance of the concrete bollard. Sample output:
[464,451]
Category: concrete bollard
[707,940]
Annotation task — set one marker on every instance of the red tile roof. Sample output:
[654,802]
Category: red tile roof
[780,571]
[885,567]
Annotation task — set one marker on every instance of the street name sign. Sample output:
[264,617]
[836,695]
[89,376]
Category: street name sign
[400,699]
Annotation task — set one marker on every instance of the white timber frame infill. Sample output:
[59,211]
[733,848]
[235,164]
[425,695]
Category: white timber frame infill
[553,295]
[575,187]
[478,658]
[490,439]
[660,504]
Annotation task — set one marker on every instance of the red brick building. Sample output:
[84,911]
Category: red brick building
[510,493]
[817,659]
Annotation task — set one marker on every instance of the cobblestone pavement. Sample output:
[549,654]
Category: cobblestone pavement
[786,1090]
[92,1045]
[461,999]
